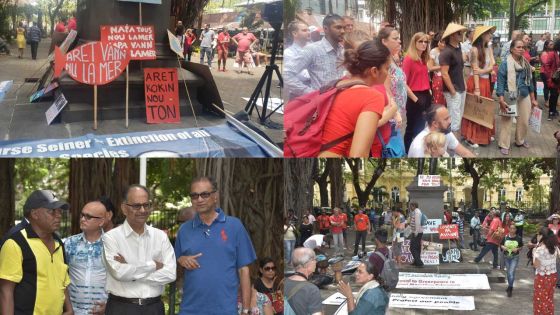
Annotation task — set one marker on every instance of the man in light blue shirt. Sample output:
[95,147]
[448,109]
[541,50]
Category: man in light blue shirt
[475,229]
[84,253]
[206,38]
[298,33]
[321,59]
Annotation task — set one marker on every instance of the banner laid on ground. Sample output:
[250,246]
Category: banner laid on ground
[431,302]
[411,280]
[216,141]
[429,180]
[432,226]
[137,40]
[161,87]
[428,257]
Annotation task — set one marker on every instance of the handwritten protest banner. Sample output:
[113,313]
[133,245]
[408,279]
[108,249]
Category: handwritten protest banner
[429,180]
[428,257]
[161,86]
[432,226]
[481,112]
[431,302]
[411,280]
[448,231]
[94,63]
[138,40]
[535,121]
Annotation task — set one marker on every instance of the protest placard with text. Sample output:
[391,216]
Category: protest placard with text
[480,110]
[138,40]
[161,86]
[448,231]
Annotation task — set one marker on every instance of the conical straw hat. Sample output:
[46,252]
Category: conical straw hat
[479,30]
[452,28]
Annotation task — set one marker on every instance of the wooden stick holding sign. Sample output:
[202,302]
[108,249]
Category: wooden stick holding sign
[187,90]
[126,103]
[95,107]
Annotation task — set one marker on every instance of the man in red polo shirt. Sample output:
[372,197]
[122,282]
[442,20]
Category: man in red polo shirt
[244,42]
[492,240]
[324,224]
[337,224]
[361,223]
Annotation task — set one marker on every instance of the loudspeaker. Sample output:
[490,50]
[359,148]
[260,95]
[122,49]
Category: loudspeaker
[273,12]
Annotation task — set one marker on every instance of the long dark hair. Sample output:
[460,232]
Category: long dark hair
[549,239]
[480,47]
[372,270]
[546,43]
[436,40]
[369,54]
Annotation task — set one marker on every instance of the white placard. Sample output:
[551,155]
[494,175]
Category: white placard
[536,119]
[56,108]
[335,299]
[431,302]
[411,280]
[430,257]
[432,226]
[175,44]
[429,180]
[427,246]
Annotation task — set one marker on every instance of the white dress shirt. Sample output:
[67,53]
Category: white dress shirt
[138,278]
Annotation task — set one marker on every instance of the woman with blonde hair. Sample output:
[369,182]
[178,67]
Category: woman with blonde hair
[415,67]
[434,145]
[482,64]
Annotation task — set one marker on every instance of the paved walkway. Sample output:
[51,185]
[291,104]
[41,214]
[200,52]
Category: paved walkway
[492,302]
[31,124]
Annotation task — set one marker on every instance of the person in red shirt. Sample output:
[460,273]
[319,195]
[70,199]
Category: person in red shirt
[244,42]
[415,68]
[337,223]
[190,37]
[72,23]
[361,224]
[223,47]
[351,125]
[61,26]
[492,242]
[324,224]
[447,215]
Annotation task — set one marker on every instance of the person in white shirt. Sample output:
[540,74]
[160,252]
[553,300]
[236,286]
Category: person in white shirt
[139,259]
[438,119]
[84,254]
[299,34]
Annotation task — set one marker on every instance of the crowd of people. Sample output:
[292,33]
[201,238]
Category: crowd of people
[213,42]
[378,84]
[124,269]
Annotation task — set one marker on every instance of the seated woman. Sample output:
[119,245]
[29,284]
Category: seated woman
[372,298]
[268,284]
[351,124]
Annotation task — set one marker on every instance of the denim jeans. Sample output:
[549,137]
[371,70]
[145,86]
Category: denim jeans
[338,240]
[511,265]
[208,52]
[288,249]
[489,247]
[476,239]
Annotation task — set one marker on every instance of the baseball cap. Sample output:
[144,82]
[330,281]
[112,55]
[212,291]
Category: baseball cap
[44,199]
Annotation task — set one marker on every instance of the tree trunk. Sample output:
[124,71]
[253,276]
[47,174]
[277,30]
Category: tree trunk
[330,7]
[512,22]
[298,186]
[253,191]
[125,173]
[188,11]
[7,194]
[337,183]
[321,180]
[363,194]
[469,165]
[474,193]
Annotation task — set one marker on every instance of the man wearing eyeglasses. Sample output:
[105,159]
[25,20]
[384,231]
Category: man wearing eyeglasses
[216,252]
[84,254]
[33,273]
[139,259]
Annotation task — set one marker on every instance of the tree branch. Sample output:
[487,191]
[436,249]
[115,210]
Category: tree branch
[530,8]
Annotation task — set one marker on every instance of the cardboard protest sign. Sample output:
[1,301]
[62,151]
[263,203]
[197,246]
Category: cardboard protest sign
[161,86]
[481,112]
[432,226]
[535,121]
[452,255]
[429,180]
[138,40]
[432,246]
[94,63]
[428,257]
[448,231]
[175,44]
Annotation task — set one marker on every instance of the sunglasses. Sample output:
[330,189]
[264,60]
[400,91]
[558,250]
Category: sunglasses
[138,206]
[88,217]
[273,268]
[204,195]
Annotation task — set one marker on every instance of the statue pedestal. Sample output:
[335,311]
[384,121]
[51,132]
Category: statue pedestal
[430,201]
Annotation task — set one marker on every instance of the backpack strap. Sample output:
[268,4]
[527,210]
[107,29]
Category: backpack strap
[381,255]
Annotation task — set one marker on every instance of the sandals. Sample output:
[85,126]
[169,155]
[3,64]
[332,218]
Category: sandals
[504,151]
[524,144]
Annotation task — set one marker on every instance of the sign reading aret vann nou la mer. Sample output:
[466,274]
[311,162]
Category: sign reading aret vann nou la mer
[138,40]
[161,86]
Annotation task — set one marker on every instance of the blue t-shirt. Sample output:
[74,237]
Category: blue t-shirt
[225,247]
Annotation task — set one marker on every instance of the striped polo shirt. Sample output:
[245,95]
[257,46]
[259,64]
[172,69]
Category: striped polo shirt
[41,277]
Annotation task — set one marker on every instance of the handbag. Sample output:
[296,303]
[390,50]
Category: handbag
[394,148]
